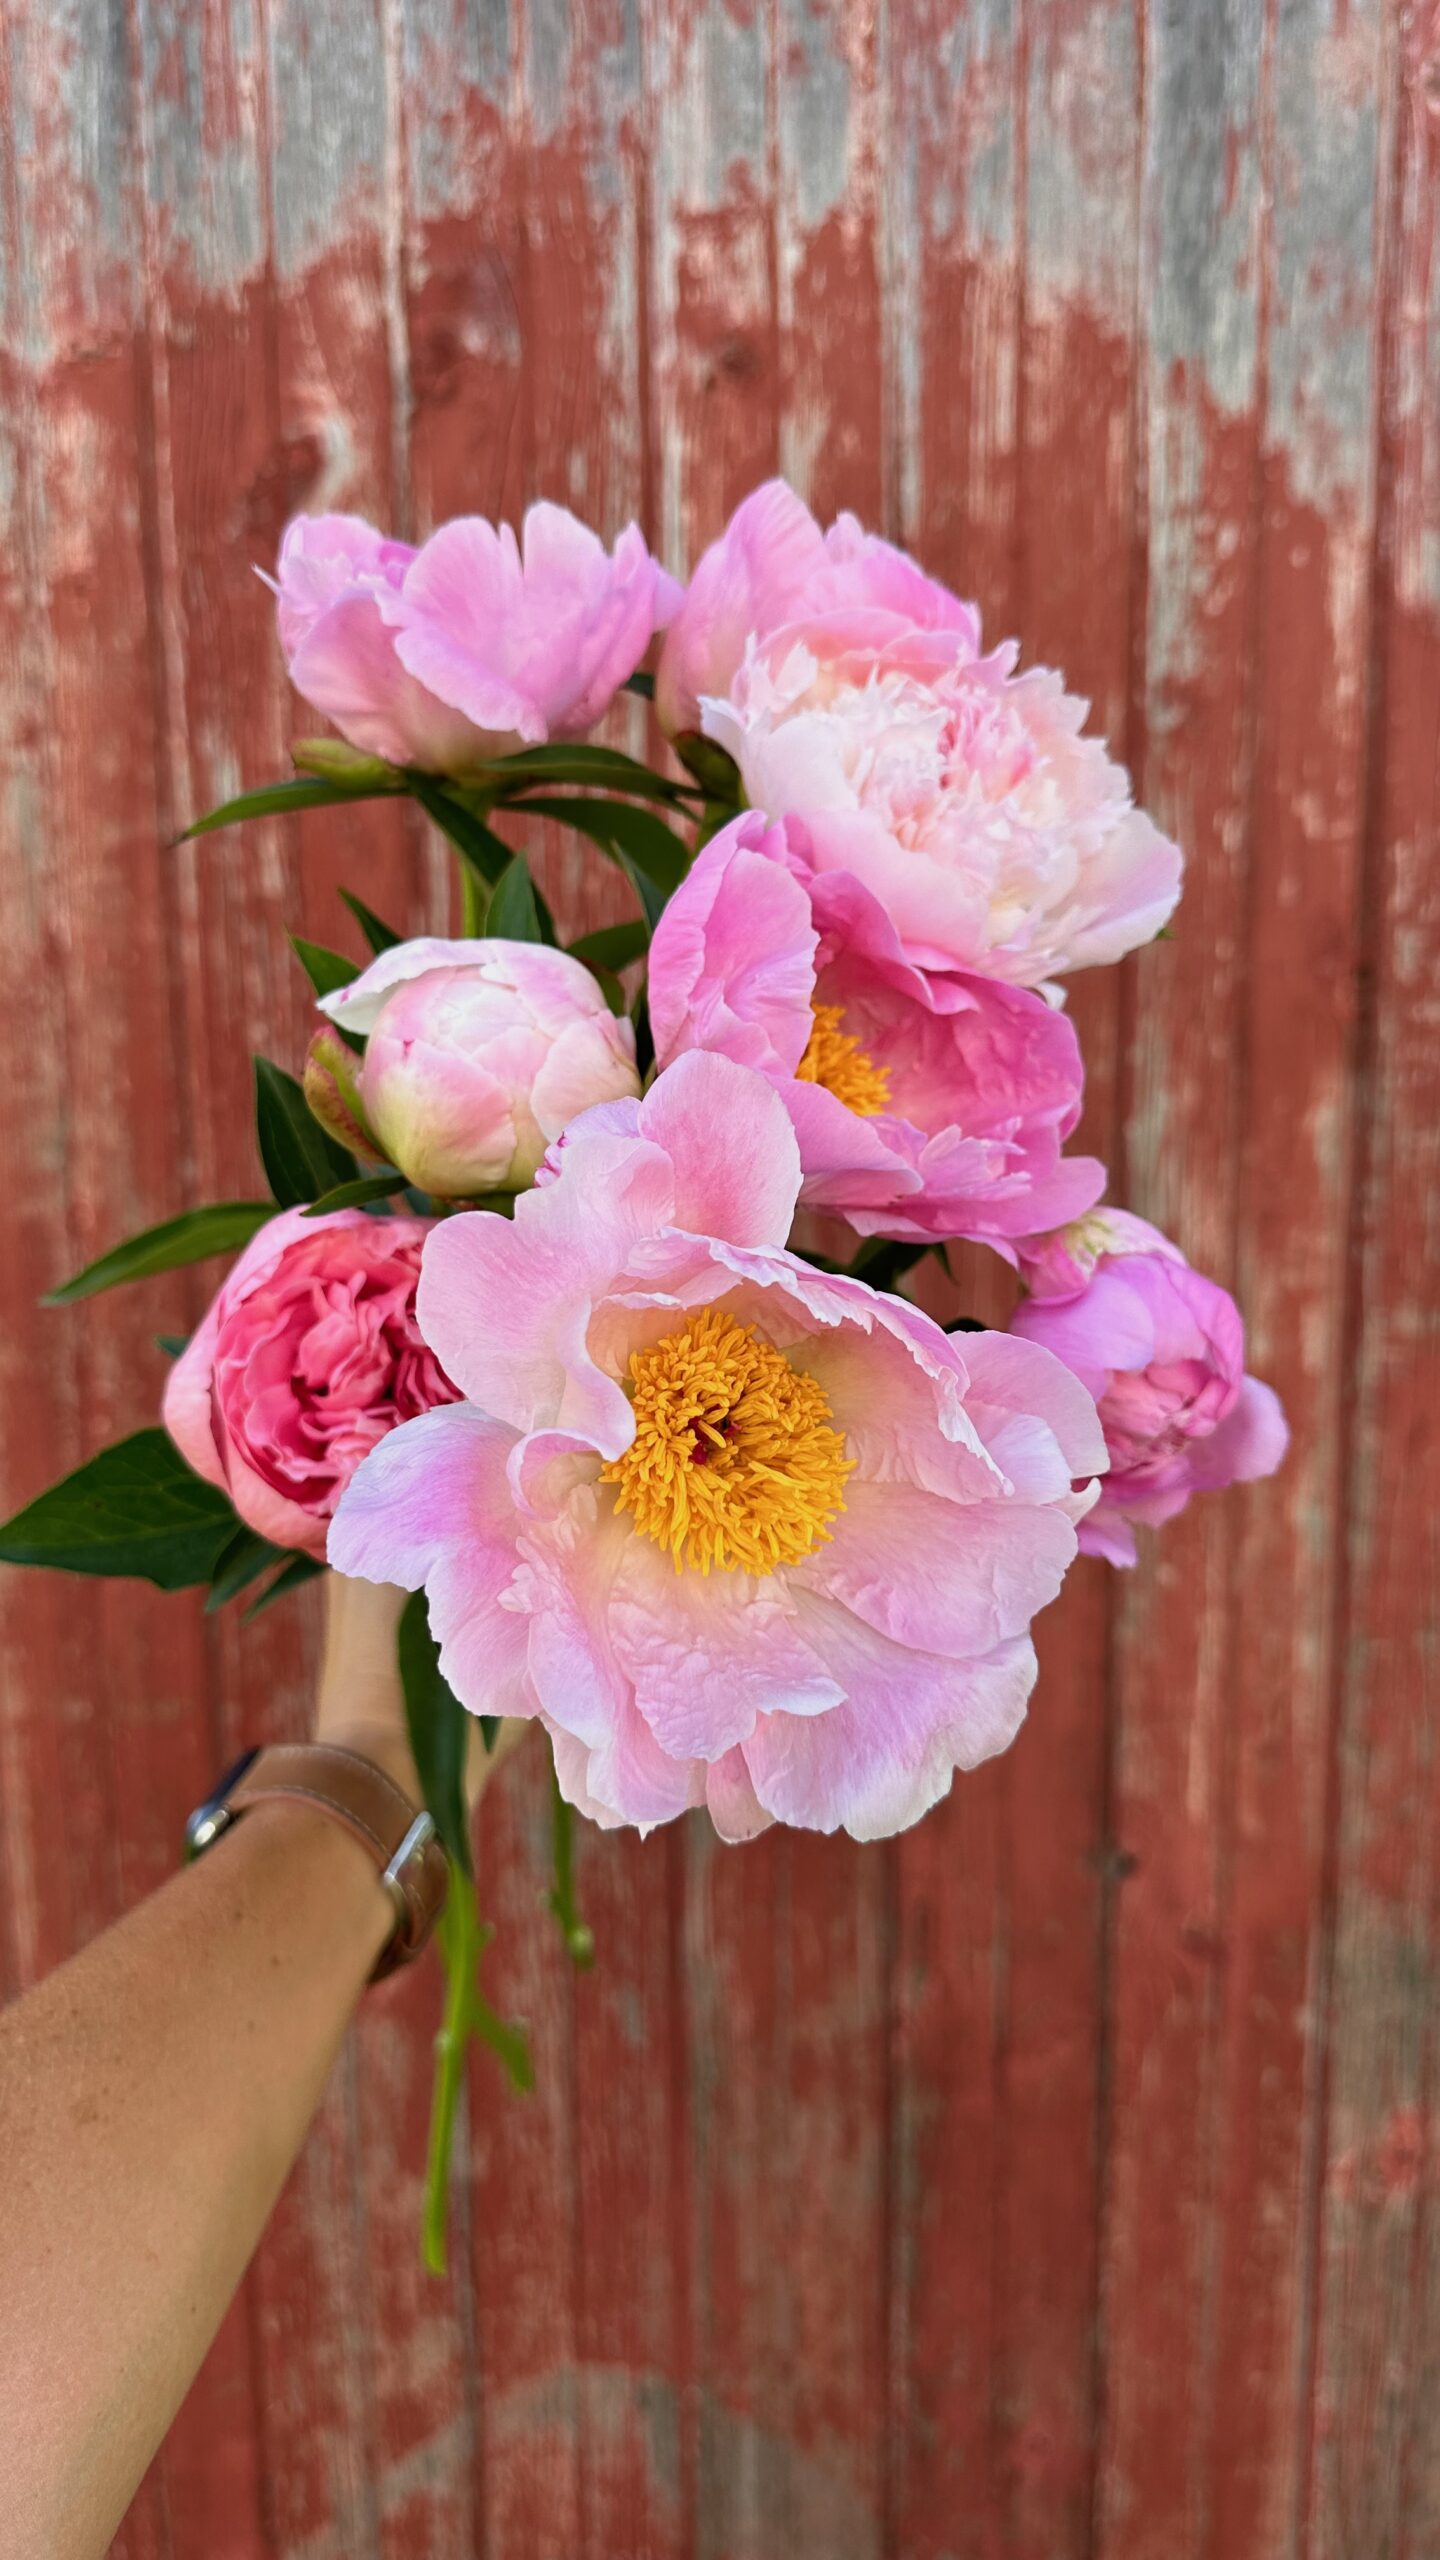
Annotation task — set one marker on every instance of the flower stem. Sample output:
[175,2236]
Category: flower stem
[580,1944]
[474,899]
[459,1934]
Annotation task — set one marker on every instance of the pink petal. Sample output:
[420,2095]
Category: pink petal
[707,1653]
[940,1577]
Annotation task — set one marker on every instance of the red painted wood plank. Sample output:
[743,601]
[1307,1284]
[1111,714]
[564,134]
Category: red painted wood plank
[1200,323]
[1376,2463]
[1312,544]
[1076,603]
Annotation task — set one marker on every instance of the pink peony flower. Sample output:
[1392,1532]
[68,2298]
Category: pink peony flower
[471,646]
[963,796]
[927,1102]
[1162,1350]
[308,1355]
[478,1054]
[771,567]
[741,1534]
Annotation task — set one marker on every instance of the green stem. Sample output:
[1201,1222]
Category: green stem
[580,1945]
[459,1935]
[474,899]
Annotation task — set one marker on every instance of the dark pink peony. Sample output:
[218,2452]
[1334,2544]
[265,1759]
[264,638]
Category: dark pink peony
[1162,1351]
[928,1102]
[308,1355]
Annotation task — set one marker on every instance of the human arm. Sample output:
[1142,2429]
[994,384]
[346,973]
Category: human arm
[154,2093]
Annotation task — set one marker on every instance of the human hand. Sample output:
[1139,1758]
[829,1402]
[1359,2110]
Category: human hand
[360,1704]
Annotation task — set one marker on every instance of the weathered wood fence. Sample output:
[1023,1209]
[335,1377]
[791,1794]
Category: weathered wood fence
[1062,2182]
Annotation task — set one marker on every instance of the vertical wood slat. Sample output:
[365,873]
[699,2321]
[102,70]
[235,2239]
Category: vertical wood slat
[456,253]
[1200,353]
[1313,539]
[1375,2457]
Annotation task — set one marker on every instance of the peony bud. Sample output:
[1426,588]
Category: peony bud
[478,1054]
[332,1089]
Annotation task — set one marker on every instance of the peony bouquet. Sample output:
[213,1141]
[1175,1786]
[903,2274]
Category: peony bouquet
[582,1304]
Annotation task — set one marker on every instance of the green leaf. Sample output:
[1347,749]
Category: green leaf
[467,831]
[240,1563]
[618,827]
[300,1569]
[326,970]
[301,1162]
[280,799]
[134,1509]
[191,1237]
[379,935]
[517,911]
[640,683]
[507,2040]
[172,1344]
[885,1260]
[439,1730]
[354,1195]
[612,946]
[588,768]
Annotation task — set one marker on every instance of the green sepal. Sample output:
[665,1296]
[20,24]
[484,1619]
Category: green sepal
[326,970]
[192,1237]
[612,946]
[335,760]
[135,1510]
[717,773]
[380,935]
[517,912]
[301,1162]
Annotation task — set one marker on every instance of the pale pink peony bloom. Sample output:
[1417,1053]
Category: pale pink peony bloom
[1162,1350]
[308,1355]
[478,1053]
[927,1102]
[473,645]
[741,1534]
[771,567]
[996,837]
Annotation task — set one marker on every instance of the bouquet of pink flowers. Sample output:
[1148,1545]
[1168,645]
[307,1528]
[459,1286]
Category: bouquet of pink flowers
[576,1309]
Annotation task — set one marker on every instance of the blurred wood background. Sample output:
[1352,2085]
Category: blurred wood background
[1060,2182]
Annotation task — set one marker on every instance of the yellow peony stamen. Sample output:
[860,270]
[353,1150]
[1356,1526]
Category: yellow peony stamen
[835,1059]
[734,1461]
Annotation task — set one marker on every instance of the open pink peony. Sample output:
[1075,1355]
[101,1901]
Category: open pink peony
[996,837]
[772,566]
[927,1102]
[1162,1350]
[472,646]
[741,1534]
[308,1355]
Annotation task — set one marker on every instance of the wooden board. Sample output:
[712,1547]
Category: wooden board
[1059,2183]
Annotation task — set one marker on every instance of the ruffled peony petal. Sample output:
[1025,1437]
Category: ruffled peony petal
[705,1654]
[436,1482]
[937,1576]
[875,1765]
